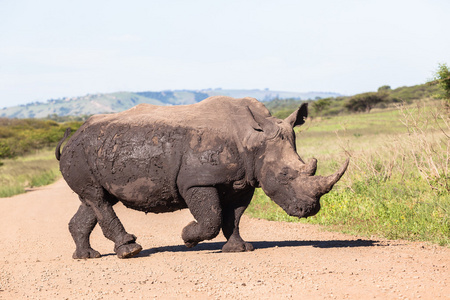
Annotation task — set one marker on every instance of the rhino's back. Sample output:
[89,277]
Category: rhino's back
[217,112]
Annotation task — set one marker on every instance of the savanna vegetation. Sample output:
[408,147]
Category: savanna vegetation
[384,97]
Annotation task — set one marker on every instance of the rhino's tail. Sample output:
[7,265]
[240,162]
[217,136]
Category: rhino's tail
[58,148]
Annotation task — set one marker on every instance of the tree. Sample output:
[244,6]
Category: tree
[442,79]
[320,105]
[386,88]
[367,101]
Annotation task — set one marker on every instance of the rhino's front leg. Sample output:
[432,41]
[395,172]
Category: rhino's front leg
[230,225]
[204,204]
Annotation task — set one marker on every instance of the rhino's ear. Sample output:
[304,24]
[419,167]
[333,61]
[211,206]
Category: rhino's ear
[262,124]
[255,125]
[298,117]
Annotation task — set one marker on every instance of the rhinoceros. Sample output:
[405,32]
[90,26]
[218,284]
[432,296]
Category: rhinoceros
[208,157]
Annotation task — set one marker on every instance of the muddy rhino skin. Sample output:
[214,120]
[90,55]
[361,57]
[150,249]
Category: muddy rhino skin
[208,157]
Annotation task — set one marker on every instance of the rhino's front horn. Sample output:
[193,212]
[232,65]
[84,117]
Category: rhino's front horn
[328,182]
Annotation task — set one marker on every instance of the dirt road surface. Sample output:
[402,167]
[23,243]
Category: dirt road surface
[290,261]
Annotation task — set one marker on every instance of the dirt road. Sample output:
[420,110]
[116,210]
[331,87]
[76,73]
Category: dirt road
[290,261]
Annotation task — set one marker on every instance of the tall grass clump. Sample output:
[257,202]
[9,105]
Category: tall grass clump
[397,185]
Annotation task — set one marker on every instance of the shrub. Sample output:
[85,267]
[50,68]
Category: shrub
[365,102]
[22,136]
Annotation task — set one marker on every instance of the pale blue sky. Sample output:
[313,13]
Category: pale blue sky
[60,48]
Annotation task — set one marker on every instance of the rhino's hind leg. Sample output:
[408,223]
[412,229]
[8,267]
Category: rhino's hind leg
[112,228]
[80,227]
[204,204]
[230,225]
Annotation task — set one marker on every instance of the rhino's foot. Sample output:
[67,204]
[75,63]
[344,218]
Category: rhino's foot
[86,253]
[128,250]
[191,244]
[194,233]
[237,247]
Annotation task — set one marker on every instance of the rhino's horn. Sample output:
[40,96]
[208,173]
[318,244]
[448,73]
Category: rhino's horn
[327,183]
[310,167]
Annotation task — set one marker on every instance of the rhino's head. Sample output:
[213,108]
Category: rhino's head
[282,174]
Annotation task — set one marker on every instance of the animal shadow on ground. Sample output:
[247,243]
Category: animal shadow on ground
[215,247]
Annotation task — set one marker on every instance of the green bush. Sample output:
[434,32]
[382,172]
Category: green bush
[5,150]
[22,136]
[365,102]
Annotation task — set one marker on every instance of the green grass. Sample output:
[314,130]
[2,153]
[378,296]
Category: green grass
[397,184]
[394,211]
[33,170]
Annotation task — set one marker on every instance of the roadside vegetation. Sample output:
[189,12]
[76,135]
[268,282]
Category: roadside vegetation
[32,170]
[27,153]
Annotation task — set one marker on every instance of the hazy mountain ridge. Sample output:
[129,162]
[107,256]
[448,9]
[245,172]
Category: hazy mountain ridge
[120,101]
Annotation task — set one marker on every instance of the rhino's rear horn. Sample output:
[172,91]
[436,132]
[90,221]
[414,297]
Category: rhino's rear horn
[330,181]
[310,167]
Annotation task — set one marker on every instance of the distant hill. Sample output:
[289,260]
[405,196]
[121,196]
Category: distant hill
[120,101]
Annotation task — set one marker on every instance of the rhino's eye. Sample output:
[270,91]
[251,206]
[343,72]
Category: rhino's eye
[286,175]
[282,178]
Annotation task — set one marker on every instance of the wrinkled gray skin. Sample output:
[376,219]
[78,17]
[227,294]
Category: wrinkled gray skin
[208,157]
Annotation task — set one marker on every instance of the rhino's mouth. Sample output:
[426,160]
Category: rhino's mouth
[304,211]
